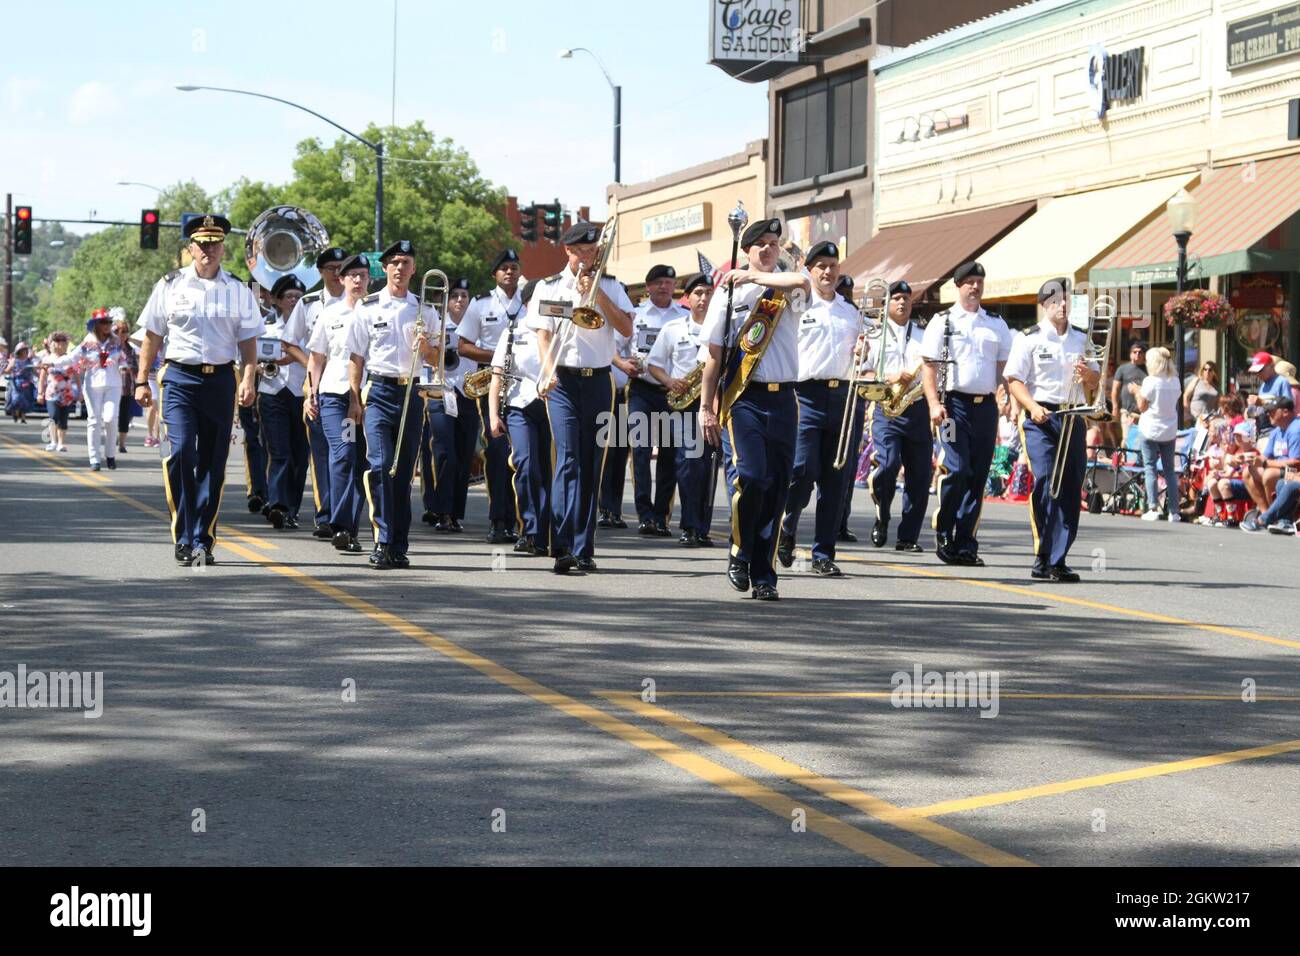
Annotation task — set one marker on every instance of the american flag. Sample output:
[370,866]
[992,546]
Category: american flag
[709,269]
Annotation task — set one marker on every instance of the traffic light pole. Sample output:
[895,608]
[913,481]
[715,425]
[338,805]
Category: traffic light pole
[9,268]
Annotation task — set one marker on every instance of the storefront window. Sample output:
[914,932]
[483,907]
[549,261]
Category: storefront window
[824,126]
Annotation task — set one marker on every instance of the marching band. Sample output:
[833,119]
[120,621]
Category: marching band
[774,376]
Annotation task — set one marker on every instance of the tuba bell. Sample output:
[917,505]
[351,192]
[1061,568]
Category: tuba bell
[285,240]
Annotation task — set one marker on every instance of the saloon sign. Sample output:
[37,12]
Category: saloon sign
[757,38]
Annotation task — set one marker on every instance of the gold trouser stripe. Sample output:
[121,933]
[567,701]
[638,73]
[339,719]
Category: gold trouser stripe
[735,491]
[167,478]
[311,457]
[1033,523]
[433,454]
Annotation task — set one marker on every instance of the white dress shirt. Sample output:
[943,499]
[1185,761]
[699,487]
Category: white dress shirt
[486,318]
[331,338]
[647,323]
[780,363]
[828,332]
[525,361]
[902,345]
[580,348]
[383,332]
[979,342]
[1044,361]
[290,331]
[677,349]
[203,320]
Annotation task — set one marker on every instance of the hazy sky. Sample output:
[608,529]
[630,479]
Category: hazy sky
[94,100]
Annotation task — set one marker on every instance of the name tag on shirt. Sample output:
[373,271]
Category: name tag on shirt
[1043,352]
[556,310]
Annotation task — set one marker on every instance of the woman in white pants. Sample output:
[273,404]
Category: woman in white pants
[101,359]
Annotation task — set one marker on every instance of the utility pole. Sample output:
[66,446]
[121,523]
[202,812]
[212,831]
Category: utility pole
[9,268]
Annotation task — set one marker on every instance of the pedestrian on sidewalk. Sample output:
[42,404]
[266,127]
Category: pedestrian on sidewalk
[59,389]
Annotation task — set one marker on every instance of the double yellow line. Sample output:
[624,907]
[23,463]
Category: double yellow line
[710,771]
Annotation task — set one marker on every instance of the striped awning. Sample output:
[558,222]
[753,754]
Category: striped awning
[1237,208]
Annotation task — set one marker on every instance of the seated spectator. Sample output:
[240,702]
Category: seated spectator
[1232,408]
[1271,385]
[1280,516]
[1286,371]
[1223,479]
[1279,452]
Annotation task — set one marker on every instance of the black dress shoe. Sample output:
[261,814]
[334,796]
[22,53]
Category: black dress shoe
[400,561]
[661,529]
[766,592]
[456,526]
[353,545]
[256,504]
[511,535]
[946,554]
[604,520]
[880,533]
[911,547]
[443,524]
[526,546]
[1064,575]
[291,522]
[587,565]
[429,518]
[324,532]
[617,522]
[380,560]
[785,550]
[738,575]
[340,540]
[1040,574]
[277,518]
[703,540]
[112,464]
[564,563]
[183,552]
[827,568]
[646,528]
[497,535]
[687,540]
[846,536]
[969,559]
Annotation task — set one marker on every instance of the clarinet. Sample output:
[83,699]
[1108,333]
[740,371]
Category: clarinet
[945,358]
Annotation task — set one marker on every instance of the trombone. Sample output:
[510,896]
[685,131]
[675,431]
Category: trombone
[860,387]
[1101,322]
[438,383]
[585,315]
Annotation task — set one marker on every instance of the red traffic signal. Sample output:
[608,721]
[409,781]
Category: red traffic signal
[23,230]
[24,212]
[149,229]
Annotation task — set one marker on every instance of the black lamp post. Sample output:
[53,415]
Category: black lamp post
[618,107]
[1181,210]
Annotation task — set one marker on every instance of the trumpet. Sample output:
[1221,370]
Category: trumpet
[438,384]
[1101,323]
[860,388]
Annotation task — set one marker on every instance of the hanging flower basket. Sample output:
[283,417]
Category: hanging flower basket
[1199,309]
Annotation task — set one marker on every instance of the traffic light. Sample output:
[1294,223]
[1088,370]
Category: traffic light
[149,229]
[23,230]
[528,224]
[553,216]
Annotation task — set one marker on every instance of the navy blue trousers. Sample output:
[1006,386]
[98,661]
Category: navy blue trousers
[390,498]
[347,463]
[1054,522]
[759,443]
[966,445]
[821,413]
[694,464]
[467,429]
[254,452]
[286,447]
[573,407]
[199,412]
[646,402]
[614,476]
[530,462]
[905,442]
[319,447]
[496,470]
[438,459]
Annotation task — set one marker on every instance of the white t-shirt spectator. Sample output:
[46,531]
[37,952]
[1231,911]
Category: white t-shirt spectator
[1160,421]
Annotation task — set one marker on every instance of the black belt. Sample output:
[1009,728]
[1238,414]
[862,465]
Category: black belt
[770,386]
[582,372]
[972,396]
[653,386]
[402,381]
[826,382]
[202,369]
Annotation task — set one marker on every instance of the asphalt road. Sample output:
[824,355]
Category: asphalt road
[502,714]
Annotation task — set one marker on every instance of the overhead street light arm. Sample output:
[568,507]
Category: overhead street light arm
[299,106]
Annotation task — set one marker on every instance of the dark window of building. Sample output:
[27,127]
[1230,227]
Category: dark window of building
[824,126]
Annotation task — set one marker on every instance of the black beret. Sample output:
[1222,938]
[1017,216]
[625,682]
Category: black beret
[286,283]
[461,283]
[506,255]
[581,233]
[965,271]
[331,255]
[757,230]
[402,247]
[207,228]
[822,250]
[358,261]
[660,272]
[845,284]
[1053,288]
[899,286]
[701,279]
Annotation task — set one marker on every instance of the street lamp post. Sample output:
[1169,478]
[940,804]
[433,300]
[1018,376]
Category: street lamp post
[1181,210]
[377,147]
[618,107]
[145,185]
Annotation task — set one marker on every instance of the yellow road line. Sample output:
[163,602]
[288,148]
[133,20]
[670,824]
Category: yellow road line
[84,479]
[1050,597]
[885,695]
[842,793]
[832,828]
[1105,779]
[737,784]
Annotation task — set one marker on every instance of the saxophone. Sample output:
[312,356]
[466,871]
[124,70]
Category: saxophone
[694,381]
